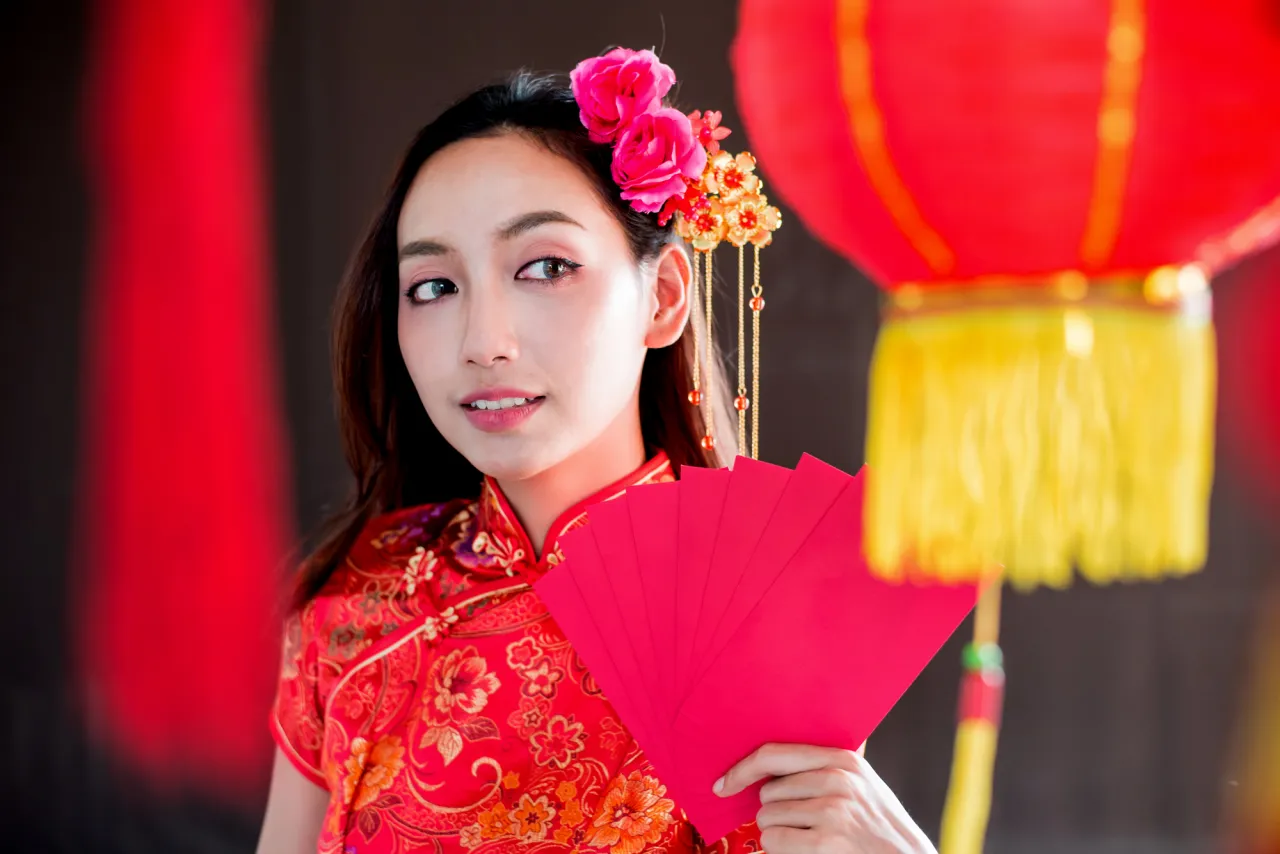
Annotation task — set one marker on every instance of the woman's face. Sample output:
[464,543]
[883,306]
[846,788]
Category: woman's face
[523,319]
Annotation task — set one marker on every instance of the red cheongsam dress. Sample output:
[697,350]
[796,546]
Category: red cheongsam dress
[427,690]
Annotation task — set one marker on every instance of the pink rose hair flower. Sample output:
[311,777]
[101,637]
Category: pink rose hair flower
[614,89]
[655,157]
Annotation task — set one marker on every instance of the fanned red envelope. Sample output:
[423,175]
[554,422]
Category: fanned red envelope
[732,609]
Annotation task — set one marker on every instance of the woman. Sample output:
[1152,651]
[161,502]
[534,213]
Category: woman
[513,343]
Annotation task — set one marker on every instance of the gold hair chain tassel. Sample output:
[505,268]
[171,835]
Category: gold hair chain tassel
[695,302]
[708,416]
[741,402]
[757,305]
[726,206]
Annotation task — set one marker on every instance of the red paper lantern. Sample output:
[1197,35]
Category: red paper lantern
[1043,189]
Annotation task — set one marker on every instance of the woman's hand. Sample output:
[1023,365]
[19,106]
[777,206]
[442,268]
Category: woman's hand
[824,801]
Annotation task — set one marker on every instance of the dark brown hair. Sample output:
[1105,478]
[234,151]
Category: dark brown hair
[377,403]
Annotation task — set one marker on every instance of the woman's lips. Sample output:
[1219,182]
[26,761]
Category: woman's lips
[508,414]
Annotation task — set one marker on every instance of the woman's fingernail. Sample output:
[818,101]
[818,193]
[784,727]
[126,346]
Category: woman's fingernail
[718,788]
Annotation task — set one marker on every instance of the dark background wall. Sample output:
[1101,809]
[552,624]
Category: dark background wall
[1121,702]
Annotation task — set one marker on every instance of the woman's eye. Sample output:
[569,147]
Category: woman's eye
[547,269]
[430,290]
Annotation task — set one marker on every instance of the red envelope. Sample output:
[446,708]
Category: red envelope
[573,611]
[753,491]
[820,660]
[610,522]
[702,493]
[654,511]
[730,610]
[606,650]
[808,495]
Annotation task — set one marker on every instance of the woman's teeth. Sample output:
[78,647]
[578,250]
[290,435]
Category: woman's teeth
[505,403]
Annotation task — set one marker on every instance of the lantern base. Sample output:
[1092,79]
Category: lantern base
[1041,438]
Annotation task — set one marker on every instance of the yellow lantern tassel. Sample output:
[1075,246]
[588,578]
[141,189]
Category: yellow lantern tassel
[1043,430]
[964,820]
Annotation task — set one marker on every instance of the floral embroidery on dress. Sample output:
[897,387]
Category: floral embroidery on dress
[532,818]
[505,553]
[635,813]
[559,743]
[541,679]
[346,642]
[613,737]
[523,653]
[420,568]
[436,627]
[529,715]
[462,683]
[371,770]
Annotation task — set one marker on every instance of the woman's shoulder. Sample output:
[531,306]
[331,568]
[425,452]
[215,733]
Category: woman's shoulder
[373,584]
[390,539]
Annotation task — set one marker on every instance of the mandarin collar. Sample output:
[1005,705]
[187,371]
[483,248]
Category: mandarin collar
[501,538]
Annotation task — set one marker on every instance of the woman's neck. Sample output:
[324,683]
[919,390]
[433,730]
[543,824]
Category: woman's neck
[539,500]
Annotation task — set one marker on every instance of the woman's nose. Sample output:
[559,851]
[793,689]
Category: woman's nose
[489,336]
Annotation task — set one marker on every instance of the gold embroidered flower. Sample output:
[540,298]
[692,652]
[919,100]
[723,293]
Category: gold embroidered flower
[504,552]
[751,219]
[613,737]
[560,743]
[437,626]
[635,813]
[566,791]
[461,683]
[523,653]
[532,818]
[371,770]
[470,836]
[541,679]
[529,716]
[420,568]
[732,177]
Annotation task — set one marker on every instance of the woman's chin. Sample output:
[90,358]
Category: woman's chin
[510,458]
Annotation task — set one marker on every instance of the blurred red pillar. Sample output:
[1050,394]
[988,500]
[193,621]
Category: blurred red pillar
[184,521]
[1250,404]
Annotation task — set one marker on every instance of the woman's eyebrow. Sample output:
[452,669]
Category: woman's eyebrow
[507,231]
[423,249]
[527,222]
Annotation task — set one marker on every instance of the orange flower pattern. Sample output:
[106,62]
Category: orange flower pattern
[456,716]
[635,813]
[532,818]
[371,770]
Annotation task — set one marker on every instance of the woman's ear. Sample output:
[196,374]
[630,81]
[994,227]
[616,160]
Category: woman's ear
[671,306]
